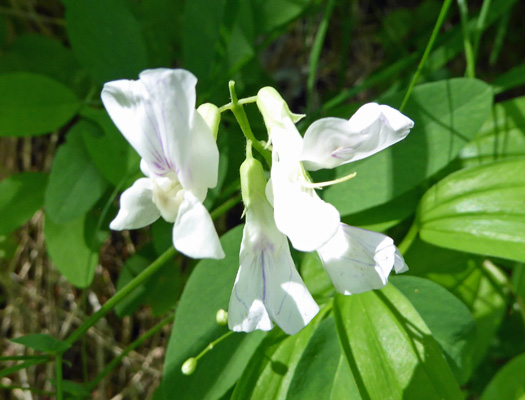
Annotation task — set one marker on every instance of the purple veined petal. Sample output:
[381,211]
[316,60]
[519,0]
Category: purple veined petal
[358,260]
[268,287]
[136,207]
[194,233]
[155,115]
[307,220]
[330,142]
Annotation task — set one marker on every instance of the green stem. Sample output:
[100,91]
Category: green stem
[59,379]
[139,280]
[212,345]
[121,294]
[437,27]
[480,25]
[238,111]
[409,238]
[246,100]
[469,53]
[315,54]
[93,384]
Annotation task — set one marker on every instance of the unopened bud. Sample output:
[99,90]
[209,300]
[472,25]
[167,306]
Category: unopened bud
[222,317]
[212,116]
[189,366]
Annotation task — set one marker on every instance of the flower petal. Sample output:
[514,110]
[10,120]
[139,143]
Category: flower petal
[300,214]
[203,160]
[330,142]
[358,260]
[194,233]
[136,207]
[268,286]
[155,115]
[400,265]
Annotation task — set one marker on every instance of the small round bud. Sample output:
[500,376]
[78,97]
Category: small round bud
[189,366]
[222,317]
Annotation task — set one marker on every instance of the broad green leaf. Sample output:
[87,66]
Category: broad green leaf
[73,249]
[42,342]
[509,382]
[208,289]
[21,195]
[32,104]
[106,38]
[449,320]
[43,55]
[323,372]
[447,114]
[315,277]
[111,153]
[390,350]
[479,210]
[479,285]
[272,367]
[75,183]
[270,14]
[509,80]
[502,135]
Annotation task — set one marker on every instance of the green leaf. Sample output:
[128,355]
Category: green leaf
[270,370]
[75,183]
[108,149]
[33,104]
[447,114]
[500,137]
[480,285]
[449,320]
[323,372]
[106,38]
[46,56]
[390,349]
[42,342]
[479,210]
[208,290]
[73,249]
[509,382]
[21,195]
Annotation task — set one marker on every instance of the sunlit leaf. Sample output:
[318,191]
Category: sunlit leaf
[478,210]
[509,383]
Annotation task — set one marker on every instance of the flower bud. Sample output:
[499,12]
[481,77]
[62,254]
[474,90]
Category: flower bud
[274,109]
[222,317]
[211,115]
[189,366]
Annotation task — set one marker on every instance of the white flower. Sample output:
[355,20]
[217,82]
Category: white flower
[157,115]
[356,260]
[268,287]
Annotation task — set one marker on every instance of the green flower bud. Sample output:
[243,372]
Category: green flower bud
[189,366]
[274,109]
[222,317]
[212,117]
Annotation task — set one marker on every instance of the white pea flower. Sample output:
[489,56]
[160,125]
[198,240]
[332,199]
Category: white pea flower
[268,287]
[157,116]
[356,260]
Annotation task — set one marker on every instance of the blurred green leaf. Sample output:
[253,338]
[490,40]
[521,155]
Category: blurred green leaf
[509,80]
[509,382]
[42,342]
[73,249]
[323,372]
[32,104]
[502,135]
[106,38]
[46,56]
[479,210]
[315,277]
[449,320]
[382,334]
[108,149]
[208,289]
[447,114]
[21,195]
[75,183]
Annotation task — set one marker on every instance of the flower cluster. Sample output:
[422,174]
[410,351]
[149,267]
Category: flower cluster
[157,115]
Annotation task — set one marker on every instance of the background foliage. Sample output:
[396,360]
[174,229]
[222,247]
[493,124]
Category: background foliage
[452,195]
